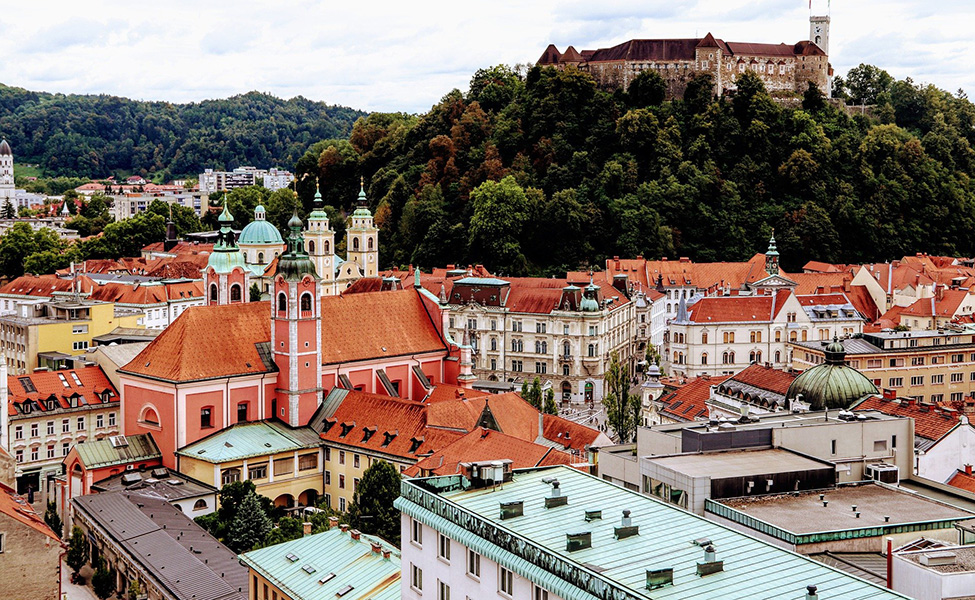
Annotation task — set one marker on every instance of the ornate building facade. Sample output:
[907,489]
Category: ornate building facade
[785,68]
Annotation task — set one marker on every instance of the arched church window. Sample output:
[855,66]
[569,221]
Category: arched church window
[282,303]
[235,294]
[260,258]
[704,358]
[355,244]
[326,248]
[213,292]
[311,247]
[306,302]
[369,243]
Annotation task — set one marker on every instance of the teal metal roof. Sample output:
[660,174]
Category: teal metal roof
[534,545]
[259,232]
[353,563]
[244,440]
[103,453]
[831,386]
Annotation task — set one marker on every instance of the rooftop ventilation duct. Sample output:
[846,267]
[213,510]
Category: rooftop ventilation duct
[811,593]
[555,497]
[626,528]
[657,578]
[578,541]
[711,564]
[510,510]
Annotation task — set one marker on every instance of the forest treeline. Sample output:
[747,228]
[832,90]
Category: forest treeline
[94,136]
[539,172]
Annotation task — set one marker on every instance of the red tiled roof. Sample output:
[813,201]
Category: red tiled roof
[206,342]
[821,267]
[445,391]
[47,384]
[486,444]
[928,422]
[822,299]
[944,306]
[220,341]
[963,481]
[17,508]
[732,309]
[861,300]
[689,401]
[766,378]
[122,293]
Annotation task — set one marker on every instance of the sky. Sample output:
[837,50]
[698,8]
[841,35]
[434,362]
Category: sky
[405,56]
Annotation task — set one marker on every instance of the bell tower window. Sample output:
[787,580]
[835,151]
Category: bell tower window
[311,246]
[306,302]
[370,243]
[213,293]
[326,247]
[355,244]
[282,302]
[235,294]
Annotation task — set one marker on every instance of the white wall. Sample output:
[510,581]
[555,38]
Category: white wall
[454,573]
[921,583]
[952,453]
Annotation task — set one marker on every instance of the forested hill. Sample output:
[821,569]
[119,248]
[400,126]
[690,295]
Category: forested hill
[98,136]
[584,175]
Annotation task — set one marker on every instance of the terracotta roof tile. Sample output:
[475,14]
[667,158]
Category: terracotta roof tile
[732,309]
[945,306]
[928,422]
[689,401]
[486,444]
[42,385]
[766,378]
[445,391]
[963,481]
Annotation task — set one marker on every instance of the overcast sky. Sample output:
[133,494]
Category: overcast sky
[404,56]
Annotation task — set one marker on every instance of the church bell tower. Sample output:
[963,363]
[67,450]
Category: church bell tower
[362,238]
[320,244]
[819,32]
[296,332]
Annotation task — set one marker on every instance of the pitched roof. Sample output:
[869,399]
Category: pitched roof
[928,422]
[732,309]
[87,384]
[206,342]
[946,304]
[688,401]
[446,391]
[107,453]
[963,481]
[643,50]
[348,563]
[253,438]
[766,378]
[486,444]
[18,509]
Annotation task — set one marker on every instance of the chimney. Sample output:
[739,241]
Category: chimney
[710,565]
[306,528]
[356,534]
[555,497]
[968,469]
[333,522]
[626,528]
[376,548]
[811,593]
[344,527]
[386,554]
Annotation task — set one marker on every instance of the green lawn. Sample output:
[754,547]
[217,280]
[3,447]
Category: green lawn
[22,170]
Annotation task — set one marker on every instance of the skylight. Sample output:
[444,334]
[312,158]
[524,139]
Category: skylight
[292,558]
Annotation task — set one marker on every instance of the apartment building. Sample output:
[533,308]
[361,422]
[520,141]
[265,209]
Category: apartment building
[926,366]
[219,181]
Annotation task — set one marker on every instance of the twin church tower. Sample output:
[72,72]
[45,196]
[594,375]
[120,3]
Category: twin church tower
[259,253]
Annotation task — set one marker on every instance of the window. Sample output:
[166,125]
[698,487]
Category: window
[241,412]
[956,396]
[473,564]
[416,577]
[494,344]
[229,476]
[541,367]
[539,593]
[341,481]
[79,329]
[235,293]
[50,426]
[282,303]
[307,462]
[328,454]
[957,358]
[206,417]
[50,450]
[341,504]
[880,446]
[917,361]
[937,398]
[832,446]
[82,345]
[895,382]
[729,337]
[65,448]
[443,547]
[704,358]
[416,532]
[257,471]
[937,379]
[19,432]
[755,337]
[284,466]
[443,591]
[516,365]
[81,423]
[918,380]
[19,456]
[957,377]
[306,302]
[355,461]
[341,457]
[111,419]
[506,581]
[99,422]
[328,478]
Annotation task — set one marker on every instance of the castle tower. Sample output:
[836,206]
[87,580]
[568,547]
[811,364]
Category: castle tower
[772,257]
[320,244]
[296,332]
[6,171]
[819,32]
[362,238]
[226,277]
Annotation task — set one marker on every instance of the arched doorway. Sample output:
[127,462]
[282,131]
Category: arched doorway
[308,498]
[589,393]
[566,392]
[285,501]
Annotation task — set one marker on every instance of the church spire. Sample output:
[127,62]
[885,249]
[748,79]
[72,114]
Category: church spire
[772,257]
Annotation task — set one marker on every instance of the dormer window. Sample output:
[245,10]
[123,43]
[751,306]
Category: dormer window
[346,428]
[388,436]
[328,424]
[51,404]
[368,432]
[415,443]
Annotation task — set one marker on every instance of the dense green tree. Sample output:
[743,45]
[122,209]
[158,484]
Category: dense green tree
[77,555]
[531,392]
[550,406]
[622,407]
[53,519]
[20,242]
[372,508]
[865,83]
[647,89]
[500,215]
[183,217]
[250,526]
[254,293]
[103,581]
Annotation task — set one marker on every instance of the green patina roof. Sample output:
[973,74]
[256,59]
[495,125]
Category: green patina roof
[371,576]
[226,256]
[295,263]
[260,231]
[831,386]
[244,440]
[226,261]
[102,453]
[534,545]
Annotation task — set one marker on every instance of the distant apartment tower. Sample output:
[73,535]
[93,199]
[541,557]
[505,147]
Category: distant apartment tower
[220,181]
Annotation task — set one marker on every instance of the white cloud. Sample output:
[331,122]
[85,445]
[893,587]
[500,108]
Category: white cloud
[383,55]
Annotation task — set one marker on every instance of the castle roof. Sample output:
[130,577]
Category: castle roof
[550,56]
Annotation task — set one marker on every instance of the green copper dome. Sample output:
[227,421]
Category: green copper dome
[589,302]
[832,384]
[260,232]
[362,203]
[294,263]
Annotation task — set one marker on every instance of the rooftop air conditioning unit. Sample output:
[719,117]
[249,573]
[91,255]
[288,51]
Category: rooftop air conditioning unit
[883,473]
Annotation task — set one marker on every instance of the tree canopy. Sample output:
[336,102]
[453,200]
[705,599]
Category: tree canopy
[372,505]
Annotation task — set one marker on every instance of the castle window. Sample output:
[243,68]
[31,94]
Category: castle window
[704,64]
[213,293]
[235,294]
[282,302]
[306,302]
[311,246]
[741,68]
[355,244]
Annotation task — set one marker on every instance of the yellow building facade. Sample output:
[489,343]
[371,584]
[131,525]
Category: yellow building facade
[284,464]
[48,334]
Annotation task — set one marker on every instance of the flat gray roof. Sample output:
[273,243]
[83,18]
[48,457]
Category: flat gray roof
[804,512]
[720,465]
[964,559]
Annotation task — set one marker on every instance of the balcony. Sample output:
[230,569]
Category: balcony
[566,358]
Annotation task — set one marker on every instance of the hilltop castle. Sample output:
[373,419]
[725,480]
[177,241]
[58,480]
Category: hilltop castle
[783,67]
